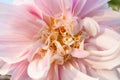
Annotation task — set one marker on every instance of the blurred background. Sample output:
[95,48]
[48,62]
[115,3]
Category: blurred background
[115,4]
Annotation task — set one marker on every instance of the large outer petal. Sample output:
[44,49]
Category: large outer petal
[54,7]
[19,71]
[83,8]
[17,28]
[108,17]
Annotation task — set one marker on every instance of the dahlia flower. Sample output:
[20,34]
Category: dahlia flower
[59,40]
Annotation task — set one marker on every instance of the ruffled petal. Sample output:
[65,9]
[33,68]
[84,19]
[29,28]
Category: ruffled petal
[38,69]
[68,72]
[20,71]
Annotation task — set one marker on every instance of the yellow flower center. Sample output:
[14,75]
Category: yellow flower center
[59,39]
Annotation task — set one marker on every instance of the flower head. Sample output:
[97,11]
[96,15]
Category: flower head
[60,40]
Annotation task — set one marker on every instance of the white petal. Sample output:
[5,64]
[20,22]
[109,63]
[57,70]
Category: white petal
[91,26]
[38,69]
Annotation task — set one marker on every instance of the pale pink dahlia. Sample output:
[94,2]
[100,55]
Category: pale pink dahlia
[60,40]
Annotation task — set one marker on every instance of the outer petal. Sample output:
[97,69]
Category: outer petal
[68,72]
[17,27]
[20,71]
[92,7]
[54,7]
[104,74]
[108,17]
[38,69]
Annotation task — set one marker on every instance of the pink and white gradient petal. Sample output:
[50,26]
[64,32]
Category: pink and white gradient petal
[17,27]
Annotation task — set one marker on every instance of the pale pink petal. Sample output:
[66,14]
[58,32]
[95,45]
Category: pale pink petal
[118,69]
[116,28]
[79,53]
[104,74]
[106,39]
[108,17]
[54,7]
[20,71]
[109,43]
[78,5]
[104,62]
[4,67]
[53,73]
[91,26]
[16,20]
[17,28]
[30,6]
[38,69]
[92,6]
[68,72]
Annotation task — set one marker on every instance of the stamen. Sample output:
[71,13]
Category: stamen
[60,40]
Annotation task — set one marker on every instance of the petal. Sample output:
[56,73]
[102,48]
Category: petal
[109,43]
[105,62]
[104,74]
[55,7]
[38,69]
[20,71]
[17,20]
[108,17]
[68,72]
[17,27]
[91,26]
[79,53]
[53,73]
[4,67]
[78,5]
[106,39]
[92,7]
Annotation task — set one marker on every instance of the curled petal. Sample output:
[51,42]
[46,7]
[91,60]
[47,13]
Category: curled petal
[91,26]
[38,69]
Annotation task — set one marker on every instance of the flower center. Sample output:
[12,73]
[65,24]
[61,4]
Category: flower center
[59,40]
